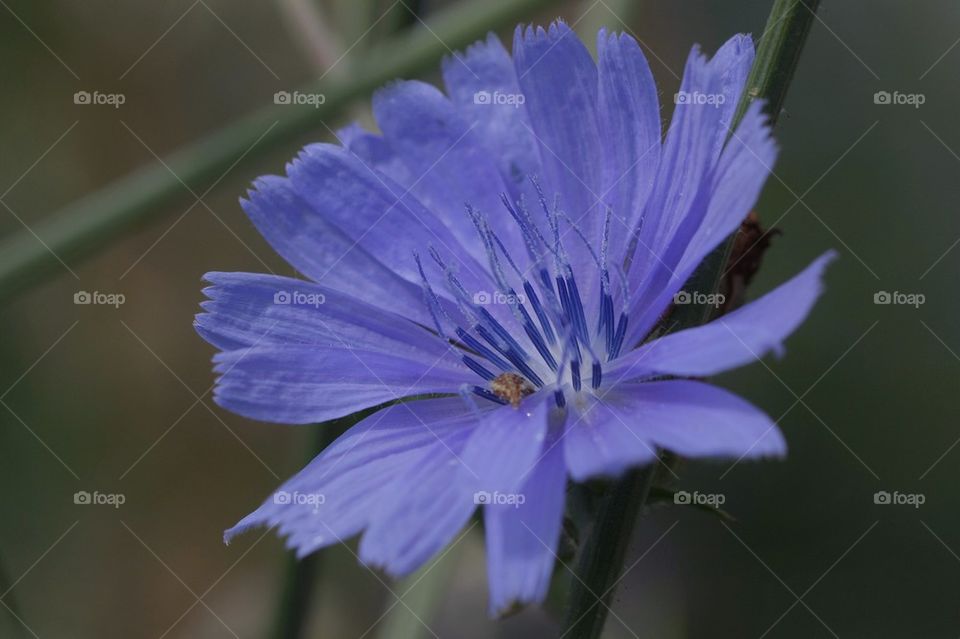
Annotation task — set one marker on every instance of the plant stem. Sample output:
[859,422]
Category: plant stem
[602,558]
[603,554]
[92,222]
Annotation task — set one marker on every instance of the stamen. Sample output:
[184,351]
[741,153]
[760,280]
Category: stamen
[559,398]
[597,375]
[433,302]
[541,314]
[477,368]
[491,348]
[575,374]
[618,338]
[471,342]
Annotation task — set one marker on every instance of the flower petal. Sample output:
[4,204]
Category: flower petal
[378,215]
[373,150]
[506,444]
[335,496]
[450,166]
[739,177]
[707,100]
[300,384]
[601,441]
[522,539]
[736,339]
[248,309]
[695,419]
[311,243]
[629,115]
[474,79]
[698,130]
[423,511]
[559,81]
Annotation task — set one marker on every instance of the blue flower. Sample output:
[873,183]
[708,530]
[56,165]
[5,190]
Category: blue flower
[503,254]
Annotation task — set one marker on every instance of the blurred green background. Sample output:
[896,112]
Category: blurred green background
[96,398]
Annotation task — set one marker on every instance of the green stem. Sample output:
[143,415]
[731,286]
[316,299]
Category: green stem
[602,558]
[603,554]
[92,222]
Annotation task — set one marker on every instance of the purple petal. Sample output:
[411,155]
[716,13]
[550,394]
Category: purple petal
[559,81]
[629,115]
[378,215]
[449,164]
[311,243]
[695,419]
[696,135]
[600,441]
[336,495]
[247,309]
[301,384]
[522,539]
[424,509]
[739,177]
[739,338]
[684,185]
[475,80]
[507,443]
[376,152]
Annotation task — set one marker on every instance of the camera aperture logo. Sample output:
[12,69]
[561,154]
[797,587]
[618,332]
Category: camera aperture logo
[498,98]
[96,498]
[696,498]
[896,498]
[299,298]
[899,99]
[97,298]
[715,300]
[699,99]
[897,298]
[95,98]
[296,498]
[296,98]
[485,498]
[485,298]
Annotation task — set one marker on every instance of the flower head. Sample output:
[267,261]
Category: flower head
[502,256]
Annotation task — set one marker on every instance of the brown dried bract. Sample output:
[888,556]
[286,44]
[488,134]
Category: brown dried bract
[511,387]
[746,256]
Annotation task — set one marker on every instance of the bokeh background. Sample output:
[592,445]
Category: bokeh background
[106,399]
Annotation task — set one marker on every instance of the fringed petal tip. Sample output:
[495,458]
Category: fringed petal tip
[530,33]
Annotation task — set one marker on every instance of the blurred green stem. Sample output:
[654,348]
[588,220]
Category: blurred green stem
[91,223]
[602,556]
[421,594]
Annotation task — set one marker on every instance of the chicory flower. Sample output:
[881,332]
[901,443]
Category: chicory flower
[502,256]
